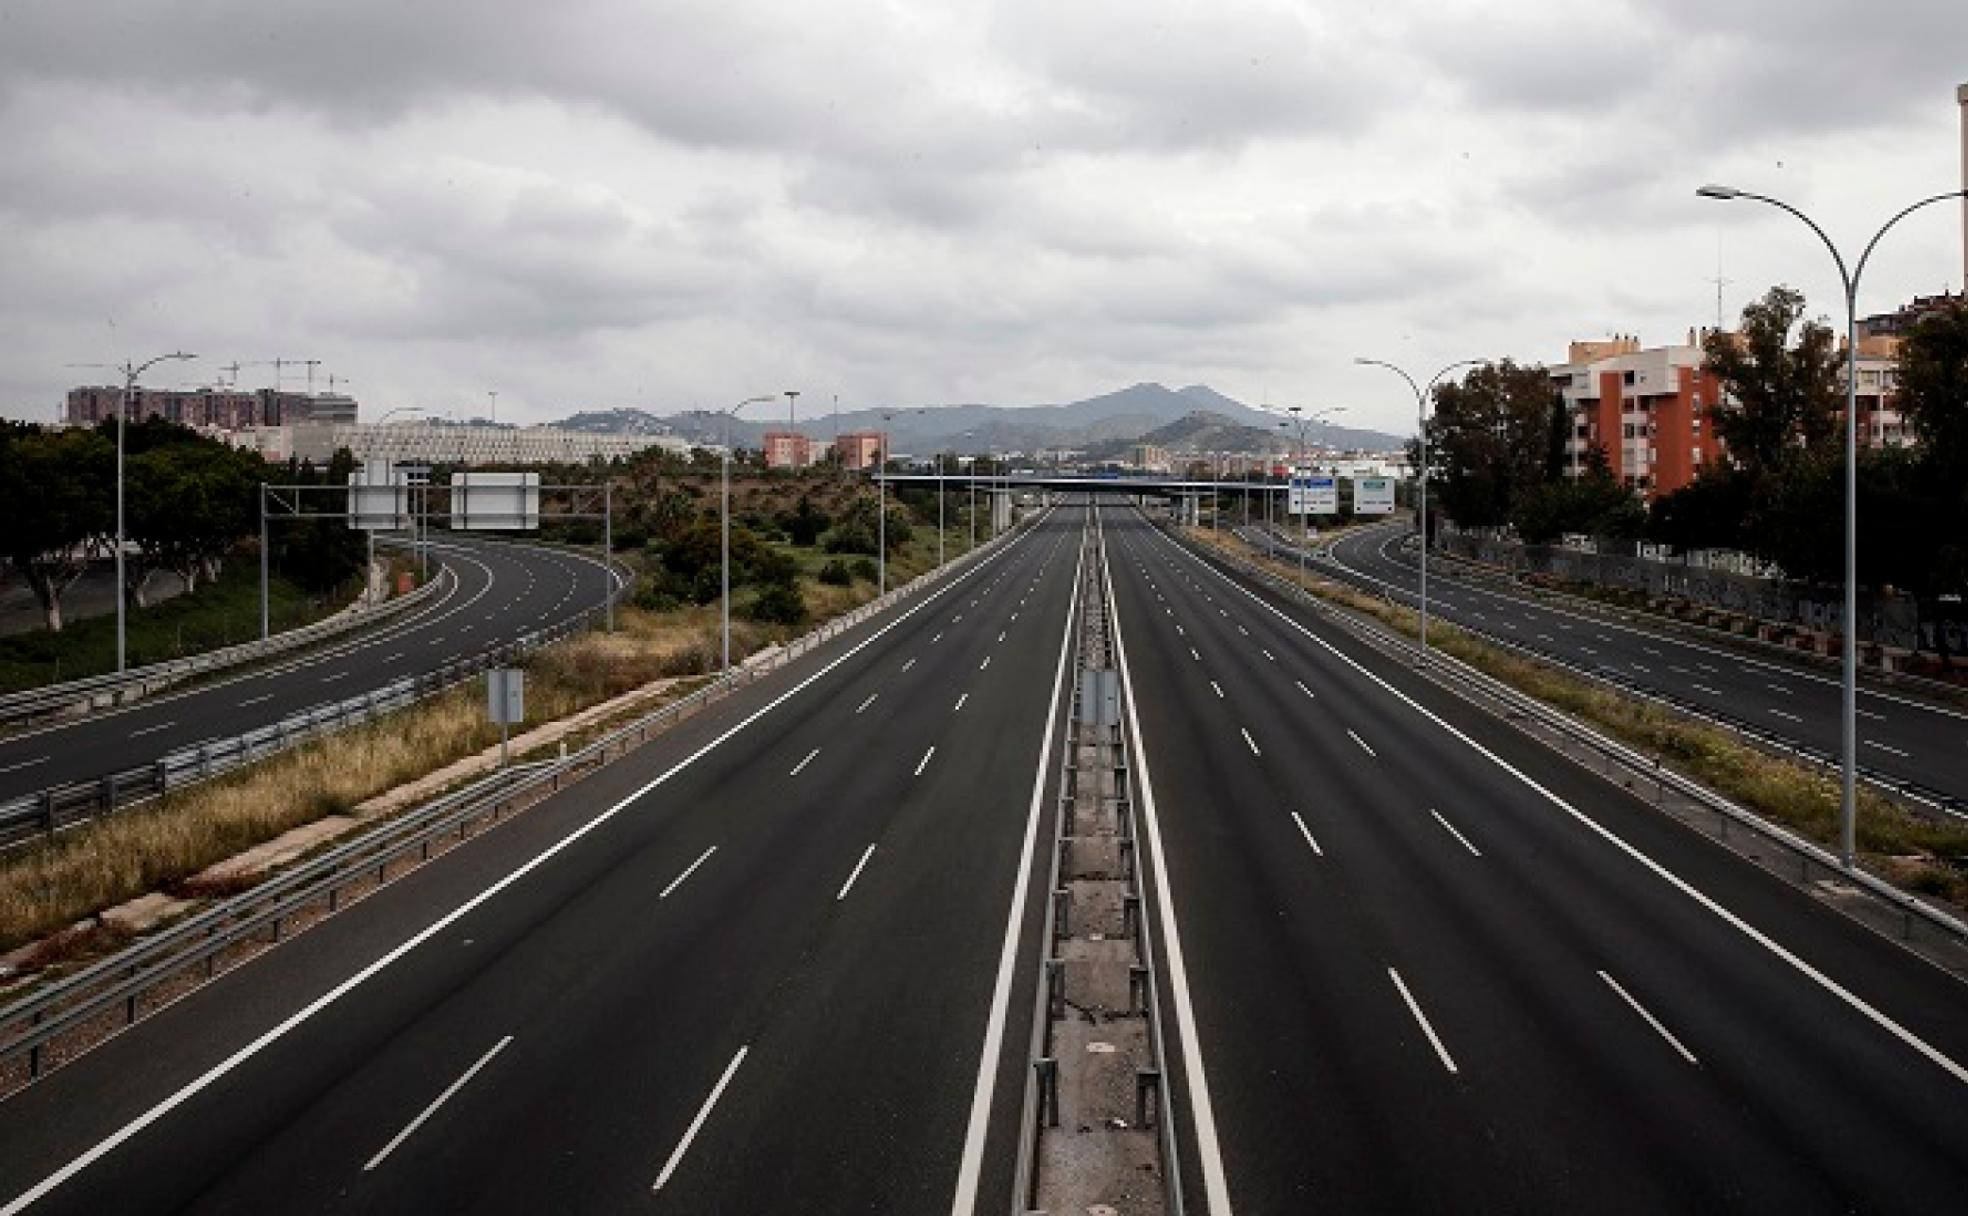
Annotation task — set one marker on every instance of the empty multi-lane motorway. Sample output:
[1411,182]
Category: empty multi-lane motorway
[492,593]
[783,959]
[1904,739]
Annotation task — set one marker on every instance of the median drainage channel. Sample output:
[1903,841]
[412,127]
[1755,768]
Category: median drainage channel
[1096,1136]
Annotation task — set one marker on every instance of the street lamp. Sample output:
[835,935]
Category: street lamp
[1302,420]
[1848,726]
[724,529]
[1421,415]
[130,373]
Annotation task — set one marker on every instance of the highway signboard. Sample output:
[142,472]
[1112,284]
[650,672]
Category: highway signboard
[503,502]
[1373,495]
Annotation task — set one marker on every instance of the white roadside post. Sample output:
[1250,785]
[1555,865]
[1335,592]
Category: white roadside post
[505,692]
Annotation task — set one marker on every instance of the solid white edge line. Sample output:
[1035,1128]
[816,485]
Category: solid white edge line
[1422,1018]
[803,763]
[1776,948]
[970,1166]
[691,869]
[1653,1021]
[1452,831]
[1307,832]
[190,1089]
[703,1113]
[858,867]
[436,1102]
[1216,1188]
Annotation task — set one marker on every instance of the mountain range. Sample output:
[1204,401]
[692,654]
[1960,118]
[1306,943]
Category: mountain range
[1192,419]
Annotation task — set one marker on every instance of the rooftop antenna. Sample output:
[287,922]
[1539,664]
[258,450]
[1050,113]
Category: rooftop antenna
[1719,281]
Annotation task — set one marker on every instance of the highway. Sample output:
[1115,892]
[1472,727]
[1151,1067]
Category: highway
[1902,738]
[493,593]
[1436,969]
[750,969]
[783,958]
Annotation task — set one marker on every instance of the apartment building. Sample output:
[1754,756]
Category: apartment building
[861,449]
[787,450]
[1649,408]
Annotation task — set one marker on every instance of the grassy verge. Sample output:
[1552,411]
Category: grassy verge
[1918,853]
[48,886]
[217,615]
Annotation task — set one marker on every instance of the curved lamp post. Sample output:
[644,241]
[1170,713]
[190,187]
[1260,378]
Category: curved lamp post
[130,373]
[1848,726]
[724,527]
[1421,415]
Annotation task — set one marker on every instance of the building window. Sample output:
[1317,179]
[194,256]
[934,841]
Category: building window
[1626,378]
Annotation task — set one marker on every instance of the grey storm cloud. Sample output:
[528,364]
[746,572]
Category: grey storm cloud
[604,202]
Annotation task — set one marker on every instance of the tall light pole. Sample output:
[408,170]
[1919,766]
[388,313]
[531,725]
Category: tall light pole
[130,373]
[1421,418]
[724,530]
[1848,712]
[1302,420]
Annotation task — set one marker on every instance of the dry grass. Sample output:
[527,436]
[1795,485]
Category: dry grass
[1915,851]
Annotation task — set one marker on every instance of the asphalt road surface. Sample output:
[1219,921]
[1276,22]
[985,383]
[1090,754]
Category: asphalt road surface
[1437,969]
[1900,737]
[782,959]
[494,593]
[749,969]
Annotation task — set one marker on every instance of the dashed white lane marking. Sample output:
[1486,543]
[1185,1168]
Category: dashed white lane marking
[1362,742]
[1451,830]
[1653,1021]
[1194,655]
[939,637]
[960,703]
[449,1091]
[1705,688]
[1866,713]
[152,729]
[688,871]
[1001,635]
[340,675]
[1885,747]
[858,867]
[24,764]
[1778,688]
[985,663]
[265,696]
[1422,1018]
[703,1113]
[1302,688]
[865,704]
[906,666]
[1307,832]
[1252,742]
[924,762]
[1269,655]
[1218,688]
[802,764]
[1786,717]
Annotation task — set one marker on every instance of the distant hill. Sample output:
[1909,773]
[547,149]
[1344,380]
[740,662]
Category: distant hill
[1195,418]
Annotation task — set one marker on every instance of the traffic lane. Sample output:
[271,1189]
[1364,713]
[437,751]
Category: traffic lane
[861,786]
[1910,991]
[1317,1103]
[1515,1002]
[122,1079]
[500,595]
[1898,736]
[879,1027]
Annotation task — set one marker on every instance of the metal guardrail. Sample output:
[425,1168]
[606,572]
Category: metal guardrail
[1648,768]
[96,692]
[48,811]
[116,991]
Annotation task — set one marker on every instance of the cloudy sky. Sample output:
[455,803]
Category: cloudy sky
[595,203]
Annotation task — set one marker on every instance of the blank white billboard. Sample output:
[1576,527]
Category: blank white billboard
[503,502]
[377,500]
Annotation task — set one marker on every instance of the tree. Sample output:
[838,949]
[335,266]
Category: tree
[57,497]
[1784,396]
[1594,503]
[1933,390]
[1488,441]
[805,522]
[1707,513]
